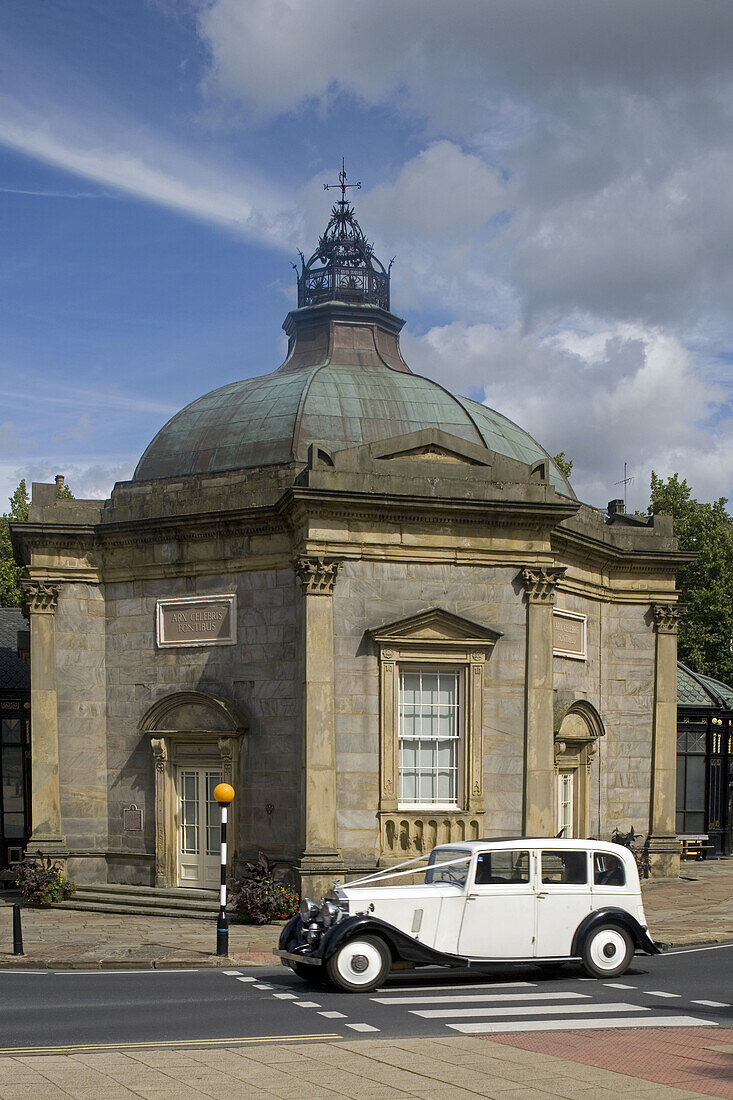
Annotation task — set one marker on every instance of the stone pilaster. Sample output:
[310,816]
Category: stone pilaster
[664,848]
[41,599]
[321,858]
[538,817]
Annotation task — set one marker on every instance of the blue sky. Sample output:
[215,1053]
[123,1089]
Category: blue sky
[554,180]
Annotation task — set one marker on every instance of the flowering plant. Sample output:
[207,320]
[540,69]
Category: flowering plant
[43,883]
[261,895]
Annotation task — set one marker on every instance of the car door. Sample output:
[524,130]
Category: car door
[499,915]
[563,898]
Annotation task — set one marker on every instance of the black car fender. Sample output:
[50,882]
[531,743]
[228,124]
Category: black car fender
[611,915]
[402,946]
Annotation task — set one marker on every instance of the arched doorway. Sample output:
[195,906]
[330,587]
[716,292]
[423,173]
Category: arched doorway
[578,727]
[194,738]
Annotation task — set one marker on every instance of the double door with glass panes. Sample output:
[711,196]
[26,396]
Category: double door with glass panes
[198,828]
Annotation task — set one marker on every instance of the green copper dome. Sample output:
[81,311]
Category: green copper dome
[343,384]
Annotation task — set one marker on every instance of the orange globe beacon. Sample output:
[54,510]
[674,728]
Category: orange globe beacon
[223,792]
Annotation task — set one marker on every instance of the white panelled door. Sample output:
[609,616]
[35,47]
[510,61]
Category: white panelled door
[198,828]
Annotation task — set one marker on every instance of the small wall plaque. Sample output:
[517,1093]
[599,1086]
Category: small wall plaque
[196,621]
[569,634]
[132,819]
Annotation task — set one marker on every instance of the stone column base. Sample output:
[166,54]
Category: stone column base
[316,873]
[664,856]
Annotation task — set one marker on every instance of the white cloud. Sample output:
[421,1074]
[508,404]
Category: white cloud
[627,394]
[79,432]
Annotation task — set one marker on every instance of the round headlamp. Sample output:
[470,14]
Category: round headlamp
[330,913]
[309,911]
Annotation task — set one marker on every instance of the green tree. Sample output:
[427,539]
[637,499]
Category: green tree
[706,585]
[565,465]
[10,573]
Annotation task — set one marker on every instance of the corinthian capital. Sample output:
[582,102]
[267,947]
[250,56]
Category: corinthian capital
[540,582]
[667,617]
[40,596]
[317,575]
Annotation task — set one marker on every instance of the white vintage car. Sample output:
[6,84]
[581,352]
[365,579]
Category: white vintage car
[513,900]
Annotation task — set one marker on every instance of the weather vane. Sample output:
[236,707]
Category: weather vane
[342,183]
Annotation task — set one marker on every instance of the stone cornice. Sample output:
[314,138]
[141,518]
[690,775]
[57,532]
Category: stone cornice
[573,544]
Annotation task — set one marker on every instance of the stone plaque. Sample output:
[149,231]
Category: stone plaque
[132,819]
[569,634]
[197,620]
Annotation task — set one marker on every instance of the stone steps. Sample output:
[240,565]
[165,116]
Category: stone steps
[146,901]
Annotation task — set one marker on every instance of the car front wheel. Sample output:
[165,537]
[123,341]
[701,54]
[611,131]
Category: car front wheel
[607,951]
[360,965]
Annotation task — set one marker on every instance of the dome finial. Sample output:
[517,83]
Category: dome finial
[342,184]
[343,267]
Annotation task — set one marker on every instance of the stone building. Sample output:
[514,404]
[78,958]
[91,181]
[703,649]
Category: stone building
[375,606]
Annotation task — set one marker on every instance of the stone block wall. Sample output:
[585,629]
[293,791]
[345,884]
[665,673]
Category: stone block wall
[258,675]
[371,594]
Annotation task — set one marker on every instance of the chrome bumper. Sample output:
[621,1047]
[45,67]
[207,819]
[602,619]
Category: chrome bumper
[291,956]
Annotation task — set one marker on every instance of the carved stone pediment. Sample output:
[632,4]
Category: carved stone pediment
[435,625]
[432,444]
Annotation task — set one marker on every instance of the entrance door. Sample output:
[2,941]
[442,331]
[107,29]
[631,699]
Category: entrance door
[198,828]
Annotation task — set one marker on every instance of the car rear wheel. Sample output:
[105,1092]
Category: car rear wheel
[360,965]
[607,951]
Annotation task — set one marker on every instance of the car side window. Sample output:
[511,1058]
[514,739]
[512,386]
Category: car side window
[608,870]
[505,868]
[564,868]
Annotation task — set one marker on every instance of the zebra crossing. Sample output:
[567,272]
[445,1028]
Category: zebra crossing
[502,1008]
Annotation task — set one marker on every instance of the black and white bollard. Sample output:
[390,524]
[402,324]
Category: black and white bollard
[223,793]
[17,932]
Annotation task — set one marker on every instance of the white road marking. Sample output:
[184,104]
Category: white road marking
[524,1010]
[362,1027]
[334,1015]
[246,979]
[286,996]
[711,1004]
[660,993]
[231,973]
[580,1025]
[261,985]
[480,997]
[446,985]
[618,985]
[306,1004]
[121,972]
[694,950]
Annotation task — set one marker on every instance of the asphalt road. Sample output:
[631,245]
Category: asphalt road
[63,1011]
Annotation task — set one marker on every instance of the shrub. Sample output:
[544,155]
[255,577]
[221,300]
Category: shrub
[260,895]
[43,883]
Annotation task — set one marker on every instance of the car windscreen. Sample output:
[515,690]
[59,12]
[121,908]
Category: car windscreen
[448,865]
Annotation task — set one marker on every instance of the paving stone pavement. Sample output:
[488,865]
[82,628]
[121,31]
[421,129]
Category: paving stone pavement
[695,908]
[410,1069]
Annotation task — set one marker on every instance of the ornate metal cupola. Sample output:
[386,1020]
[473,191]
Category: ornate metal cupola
[343,268]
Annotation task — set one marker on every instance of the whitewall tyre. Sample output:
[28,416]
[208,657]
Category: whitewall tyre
[607,951]
[360,965]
